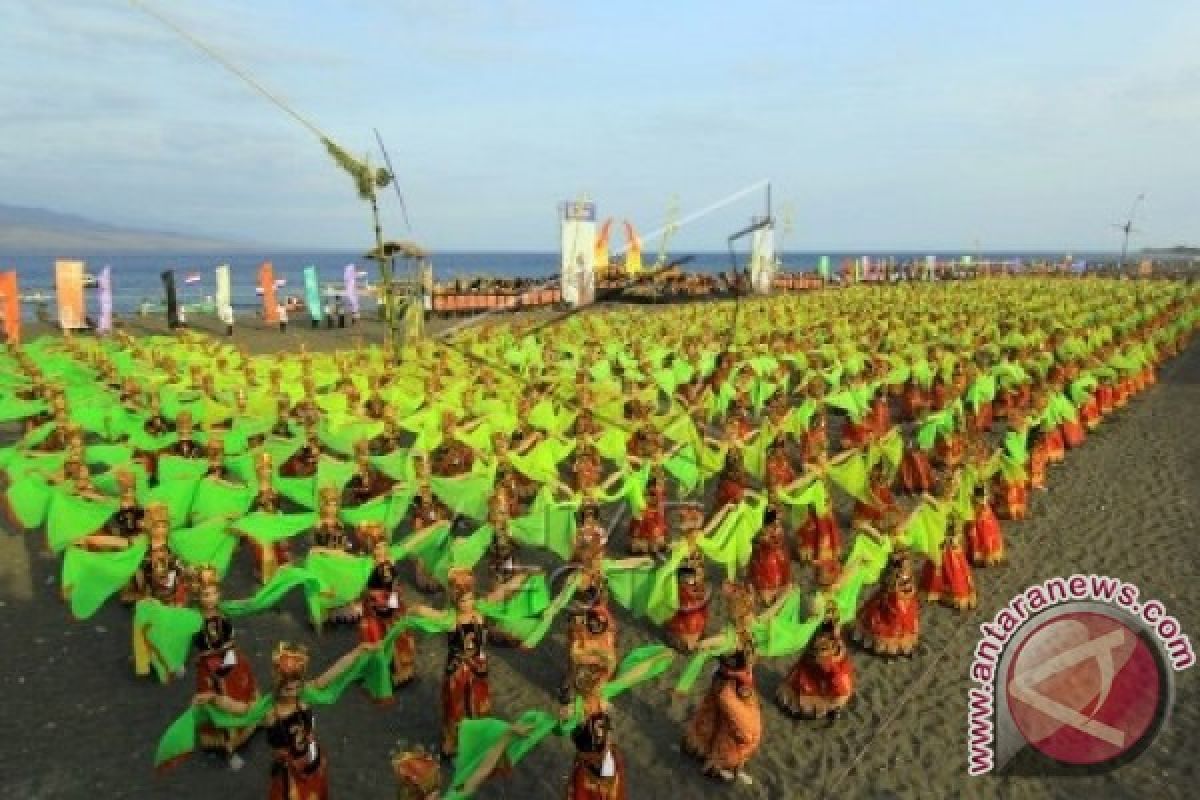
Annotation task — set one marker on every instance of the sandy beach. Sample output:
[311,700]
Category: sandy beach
[1127,504]
[820,361]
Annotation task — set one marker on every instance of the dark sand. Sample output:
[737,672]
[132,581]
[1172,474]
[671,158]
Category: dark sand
[78,725]
[258,337]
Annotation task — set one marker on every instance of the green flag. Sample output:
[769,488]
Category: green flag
[89,579]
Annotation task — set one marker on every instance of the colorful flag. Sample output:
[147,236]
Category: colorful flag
[168,279]
[106,297]
[10,301]
[68,288]
[350,278]
[312,293]
[266,288]
[224,295]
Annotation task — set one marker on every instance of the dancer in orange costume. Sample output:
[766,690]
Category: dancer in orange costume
[221,669]
[821,682]
[948,580]
[299,766]
[598,772]
[383,605]
[889,622]
[770,568]
[725,730]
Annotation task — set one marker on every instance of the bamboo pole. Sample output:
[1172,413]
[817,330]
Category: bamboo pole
[385,285]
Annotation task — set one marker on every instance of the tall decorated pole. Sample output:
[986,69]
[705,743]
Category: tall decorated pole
[366,179]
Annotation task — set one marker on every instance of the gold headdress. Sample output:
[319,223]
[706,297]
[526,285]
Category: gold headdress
[126,480]
[689,511]
[498,509]
[460,582]
[290,662]
[203,577]
[371,533]
[157,511]
[418,773]
[207,576]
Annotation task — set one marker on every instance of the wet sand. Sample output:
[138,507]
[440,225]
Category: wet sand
[79,725]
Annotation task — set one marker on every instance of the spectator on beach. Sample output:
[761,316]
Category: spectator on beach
[328,314]
[341,313]
[226,315]
[282,312]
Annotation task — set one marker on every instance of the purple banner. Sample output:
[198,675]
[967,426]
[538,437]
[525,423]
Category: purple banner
[106,300]
[351,289]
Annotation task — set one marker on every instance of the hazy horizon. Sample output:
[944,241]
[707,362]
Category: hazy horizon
[883,126]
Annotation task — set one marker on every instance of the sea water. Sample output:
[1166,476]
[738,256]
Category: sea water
[136,276]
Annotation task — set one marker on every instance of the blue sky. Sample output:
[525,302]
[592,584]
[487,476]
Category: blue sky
[885,124]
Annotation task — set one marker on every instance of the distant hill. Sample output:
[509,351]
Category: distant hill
[1177,250]
[38,229]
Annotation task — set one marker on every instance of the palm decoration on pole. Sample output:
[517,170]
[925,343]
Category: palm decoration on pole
[368,181]
[1127,228]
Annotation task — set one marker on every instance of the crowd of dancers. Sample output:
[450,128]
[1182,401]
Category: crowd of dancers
[760,480]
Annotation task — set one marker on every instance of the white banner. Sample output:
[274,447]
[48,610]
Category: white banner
[762,260]
[578,256]
[224,295]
